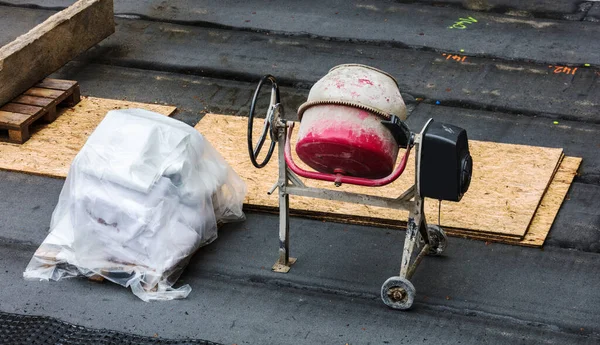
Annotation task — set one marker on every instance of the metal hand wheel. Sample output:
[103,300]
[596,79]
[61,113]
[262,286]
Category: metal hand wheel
[268,126]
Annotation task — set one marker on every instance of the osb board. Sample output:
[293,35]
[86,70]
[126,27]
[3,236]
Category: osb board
[507,185]
[53,146]
[551,202]
[534,237]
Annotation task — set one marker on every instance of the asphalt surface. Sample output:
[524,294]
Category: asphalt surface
[206,56]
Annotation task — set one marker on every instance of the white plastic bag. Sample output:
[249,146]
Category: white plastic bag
[143,194]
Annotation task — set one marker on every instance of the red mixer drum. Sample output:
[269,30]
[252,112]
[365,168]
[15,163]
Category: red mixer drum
[340,124]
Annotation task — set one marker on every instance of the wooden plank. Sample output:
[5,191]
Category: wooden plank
[47,93]
[22,109]
[57,84]
[10,120]
[48,46]
[507,186]
[53,146]
[33,100]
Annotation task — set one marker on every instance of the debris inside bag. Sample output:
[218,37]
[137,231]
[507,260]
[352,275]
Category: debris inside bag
[142,195]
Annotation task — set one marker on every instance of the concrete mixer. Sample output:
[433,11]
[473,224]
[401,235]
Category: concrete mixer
[351,131]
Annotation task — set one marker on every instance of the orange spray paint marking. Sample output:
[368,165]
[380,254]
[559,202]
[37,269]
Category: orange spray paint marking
[563,69]
[458,58]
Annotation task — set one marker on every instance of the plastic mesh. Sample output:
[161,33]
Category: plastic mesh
[16,329]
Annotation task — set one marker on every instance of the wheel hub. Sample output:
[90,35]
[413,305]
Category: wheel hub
[397,294]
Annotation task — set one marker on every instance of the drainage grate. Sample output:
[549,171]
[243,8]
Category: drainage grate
[16,329]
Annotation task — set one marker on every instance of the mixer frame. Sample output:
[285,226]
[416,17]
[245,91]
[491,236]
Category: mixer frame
[397,292]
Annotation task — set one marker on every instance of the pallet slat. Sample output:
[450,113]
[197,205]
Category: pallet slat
[33,100]
[39,92]
[12,120]
[56,84]
[31,110]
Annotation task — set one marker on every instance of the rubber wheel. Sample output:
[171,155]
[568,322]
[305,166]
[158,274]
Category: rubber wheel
[398,293]
[438,240]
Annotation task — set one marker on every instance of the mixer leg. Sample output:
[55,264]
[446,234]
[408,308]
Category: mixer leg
[415,222]
[398,292]
[284,262]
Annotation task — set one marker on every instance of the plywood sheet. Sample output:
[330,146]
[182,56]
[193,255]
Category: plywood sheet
[53,146]
[551,202]
[534,237]
[508,184]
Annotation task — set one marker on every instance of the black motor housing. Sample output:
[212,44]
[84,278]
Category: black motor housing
[446,165]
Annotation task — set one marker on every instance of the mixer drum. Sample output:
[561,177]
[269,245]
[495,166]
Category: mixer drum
[346,140]
[341,130]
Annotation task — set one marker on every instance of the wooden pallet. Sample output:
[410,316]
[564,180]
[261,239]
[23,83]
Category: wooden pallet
[37,103]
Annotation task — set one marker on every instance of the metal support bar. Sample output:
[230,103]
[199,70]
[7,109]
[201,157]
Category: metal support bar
[295,179]
[413,267]
[273,188]
[328,194]
[408,194]
[424,232]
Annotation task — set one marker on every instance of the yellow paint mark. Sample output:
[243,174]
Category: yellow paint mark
[461,23]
